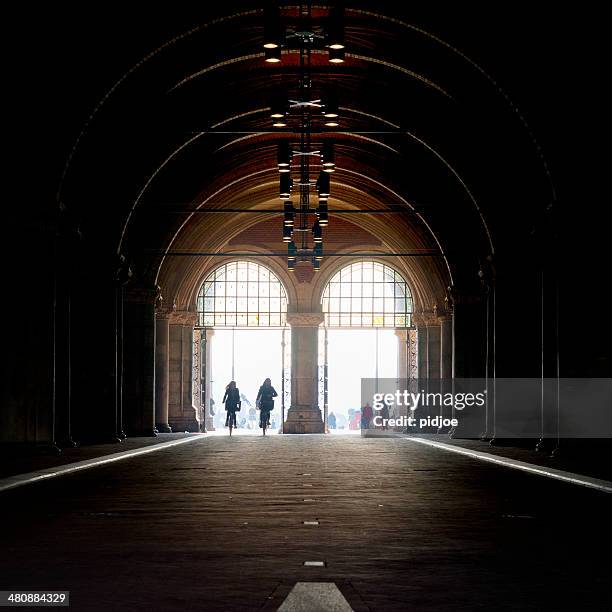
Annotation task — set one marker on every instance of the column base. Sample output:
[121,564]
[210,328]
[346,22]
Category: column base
[143,433]
[180,424]
[303,420]
[163,428]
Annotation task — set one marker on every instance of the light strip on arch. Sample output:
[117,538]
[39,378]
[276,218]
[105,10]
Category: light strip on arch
[412,208]
[186,220]
[408,133]
[351,134]
[229,119]
[364,58]
[477,67]
[225,18]
[139,64]
[203,203]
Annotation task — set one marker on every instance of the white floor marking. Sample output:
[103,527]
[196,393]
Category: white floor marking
[569,477]
[314,563]
[310,522]
[20,480]
[315,597]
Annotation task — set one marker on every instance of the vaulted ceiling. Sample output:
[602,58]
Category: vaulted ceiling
[424,132]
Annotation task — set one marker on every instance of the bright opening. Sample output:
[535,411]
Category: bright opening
[354,354]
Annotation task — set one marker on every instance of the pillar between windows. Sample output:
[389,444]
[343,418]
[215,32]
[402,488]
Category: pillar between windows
[304,415]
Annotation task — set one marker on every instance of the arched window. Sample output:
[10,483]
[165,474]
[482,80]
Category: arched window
[242,294]
[367,294]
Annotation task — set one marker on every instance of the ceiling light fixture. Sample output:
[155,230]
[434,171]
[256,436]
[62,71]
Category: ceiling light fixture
[336,56]
[322,214]
[273,55]
[323,184]
[335,28]
[272,26]
[312,106]
[286,185]
[289,214]
[284,156]
[291,251]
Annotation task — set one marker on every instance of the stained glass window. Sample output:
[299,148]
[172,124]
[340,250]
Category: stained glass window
[242,294]
[367,294]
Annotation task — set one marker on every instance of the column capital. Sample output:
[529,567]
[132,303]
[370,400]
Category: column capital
[305,319]
[183,317]
[141,293]
[162,314]
[426,319]
[463,297]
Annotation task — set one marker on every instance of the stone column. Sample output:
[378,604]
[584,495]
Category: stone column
[433,349]
[422,351]
[402,362]
[304,415]
[469,345]
[446,346]
[162,333]
[182,414]
[428,339]
[402,368]
[139,359]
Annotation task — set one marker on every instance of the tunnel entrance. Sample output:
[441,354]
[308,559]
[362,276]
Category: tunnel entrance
[367,333]
[247,356]
[243,336]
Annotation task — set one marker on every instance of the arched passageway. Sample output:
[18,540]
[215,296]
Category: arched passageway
[422,182]
[241,335]
[379,136]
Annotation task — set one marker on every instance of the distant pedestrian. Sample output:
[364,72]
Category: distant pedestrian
[232,402]
[384,416]
[331,420]
[366,416]
[265,403]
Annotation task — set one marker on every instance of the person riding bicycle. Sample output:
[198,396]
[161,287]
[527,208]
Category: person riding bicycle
[232,402]
[265,402]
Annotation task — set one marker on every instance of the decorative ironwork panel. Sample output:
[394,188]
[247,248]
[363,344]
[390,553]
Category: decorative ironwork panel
[242,294]
[286,362]
[413,349]
[322,368]
[367,294]
[197,396]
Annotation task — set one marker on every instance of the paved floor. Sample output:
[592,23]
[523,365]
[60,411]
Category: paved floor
[21,460]
[218,524]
